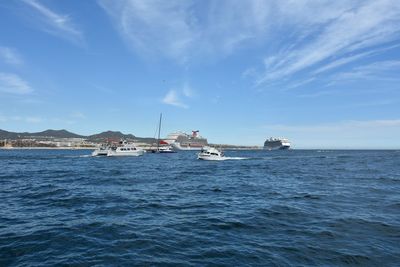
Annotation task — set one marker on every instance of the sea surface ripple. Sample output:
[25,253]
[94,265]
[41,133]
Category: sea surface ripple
[282,208]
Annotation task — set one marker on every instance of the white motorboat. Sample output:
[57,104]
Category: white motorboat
[163,149]
[166,149]
[125,149]
[211,153]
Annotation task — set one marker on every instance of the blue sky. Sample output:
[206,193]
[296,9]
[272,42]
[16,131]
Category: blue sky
[324,74]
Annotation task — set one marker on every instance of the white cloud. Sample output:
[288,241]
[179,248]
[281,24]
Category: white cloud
[300,83]
[78,115]
[10,56]
[17,118]
[56,24]
[307,36]
[176,97]
[183,30]
[379,71]
[33,119]
[356,26]
[172,98]
[162,26]
[188,91]
[349,59]
[12,83]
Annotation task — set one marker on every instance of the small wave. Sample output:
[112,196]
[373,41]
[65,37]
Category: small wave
[307,196]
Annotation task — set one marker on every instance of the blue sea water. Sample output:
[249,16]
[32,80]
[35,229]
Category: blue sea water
[282,208]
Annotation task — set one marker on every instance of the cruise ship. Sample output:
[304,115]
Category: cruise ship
[275,143]
[184,141]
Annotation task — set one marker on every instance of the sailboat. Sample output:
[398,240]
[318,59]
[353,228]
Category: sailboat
[165,148]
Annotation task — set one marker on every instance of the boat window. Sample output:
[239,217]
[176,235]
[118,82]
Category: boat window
[215,154]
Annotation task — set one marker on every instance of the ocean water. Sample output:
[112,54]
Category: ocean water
[282,208]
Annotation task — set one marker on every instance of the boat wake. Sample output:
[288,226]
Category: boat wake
[76,156]
[235,158]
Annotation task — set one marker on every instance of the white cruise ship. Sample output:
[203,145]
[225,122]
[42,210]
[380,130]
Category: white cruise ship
[275,143]
[184,141]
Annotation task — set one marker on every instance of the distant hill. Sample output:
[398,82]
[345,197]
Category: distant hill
[116,135]
[57,134]
[101,137]
[110,135]
[8,135]
[47,133]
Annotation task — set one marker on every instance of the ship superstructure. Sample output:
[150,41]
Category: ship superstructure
[274,143]
[184,141]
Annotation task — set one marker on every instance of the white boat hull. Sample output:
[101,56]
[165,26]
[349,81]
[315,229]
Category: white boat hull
[213,158]
[99,153]
[136,153]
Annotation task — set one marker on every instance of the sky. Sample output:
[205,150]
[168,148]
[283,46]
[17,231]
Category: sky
[325,74]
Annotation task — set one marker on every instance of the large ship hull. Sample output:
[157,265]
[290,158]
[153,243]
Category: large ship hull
[179,146]
[276,147]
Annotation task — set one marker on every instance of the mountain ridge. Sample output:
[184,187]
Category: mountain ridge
[50,133]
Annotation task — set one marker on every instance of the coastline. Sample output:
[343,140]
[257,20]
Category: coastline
[47,148]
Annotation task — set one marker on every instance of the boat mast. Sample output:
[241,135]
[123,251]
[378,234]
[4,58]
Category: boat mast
[159,130]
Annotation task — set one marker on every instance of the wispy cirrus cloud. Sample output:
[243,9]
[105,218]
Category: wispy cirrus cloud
[78,115]
[188,91]
[60,25]
[10,56]
[303,37]
[13,84]
[377,71]
[354,27]
[183,30]
[31,119]
[23,119]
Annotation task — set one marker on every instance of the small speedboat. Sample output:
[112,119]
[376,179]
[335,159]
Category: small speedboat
[163,149]
[211,153]
[166,149]
[125,149]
